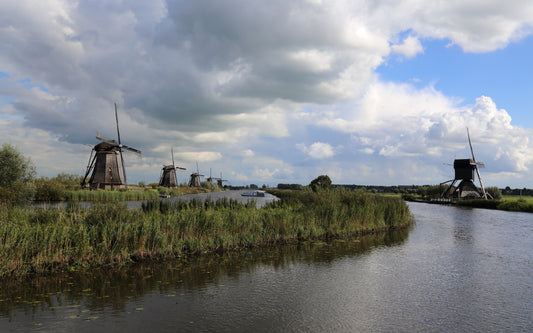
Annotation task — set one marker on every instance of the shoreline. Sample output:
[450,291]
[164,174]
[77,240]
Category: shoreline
[504,205]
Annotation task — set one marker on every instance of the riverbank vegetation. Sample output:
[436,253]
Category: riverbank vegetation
[41,240]
[508,204]
[16,175]
[432,194]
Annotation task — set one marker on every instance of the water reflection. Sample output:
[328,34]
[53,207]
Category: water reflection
[81,294]
[464,221]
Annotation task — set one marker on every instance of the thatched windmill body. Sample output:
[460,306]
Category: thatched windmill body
[106,162]
[465,172]
[194,181]
[168,174]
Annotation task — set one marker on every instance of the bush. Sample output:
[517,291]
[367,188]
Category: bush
[49,190]
[516,206]
[322,182]
[494,192]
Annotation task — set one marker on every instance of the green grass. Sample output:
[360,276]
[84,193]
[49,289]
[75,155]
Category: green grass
[528,199]
[514,204]
[43,240]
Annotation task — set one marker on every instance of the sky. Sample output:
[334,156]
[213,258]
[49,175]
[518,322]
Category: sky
[266,92]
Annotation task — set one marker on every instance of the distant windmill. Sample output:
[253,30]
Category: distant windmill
[106,162]
[210,179]
[168,173]
[195,178]
[464,172]
[220,180]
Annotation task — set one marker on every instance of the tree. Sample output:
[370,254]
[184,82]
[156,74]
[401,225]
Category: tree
[14,167]
[322,182]
[16,174]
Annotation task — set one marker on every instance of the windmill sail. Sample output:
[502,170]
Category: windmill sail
[120,148]
[477,165]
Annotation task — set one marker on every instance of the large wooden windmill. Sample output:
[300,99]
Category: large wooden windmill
[465,172]
[168,173]
[195,178]
[106,163]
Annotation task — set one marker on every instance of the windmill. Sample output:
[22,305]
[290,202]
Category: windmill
[220,180]
[195,178]
[465,172]
[168,173]
[106,162]
[210,179]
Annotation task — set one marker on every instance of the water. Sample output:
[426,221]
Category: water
[455,270]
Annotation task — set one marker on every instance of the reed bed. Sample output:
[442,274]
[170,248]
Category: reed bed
[108,233]
[85,195]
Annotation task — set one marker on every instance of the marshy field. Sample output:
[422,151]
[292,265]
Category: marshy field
[72,238]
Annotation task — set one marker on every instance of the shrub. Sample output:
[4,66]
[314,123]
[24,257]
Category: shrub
[494,191]
[322,182]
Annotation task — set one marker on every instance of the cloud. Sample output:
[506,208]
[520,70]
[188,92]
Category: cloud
[410,47]
[215,79]
[318,150]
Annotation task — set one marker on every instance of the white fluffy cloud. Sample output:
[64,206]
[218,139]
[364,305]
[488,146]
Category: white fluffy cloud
[214,79]
[318,150]
[410,47]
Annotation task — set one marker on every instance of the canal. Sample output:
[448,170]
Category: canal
[454,270]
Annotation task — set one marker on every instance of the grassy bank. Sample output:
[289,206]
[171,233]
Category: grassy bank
[508,203]
[51,240]
[513,205]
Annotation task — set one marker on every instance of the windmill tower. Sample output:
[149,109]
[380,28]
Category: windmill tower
[465,172]
[106,162]
[168,174]
[195,178]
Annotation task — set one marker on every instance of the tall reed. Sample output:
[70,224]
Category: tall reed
[42,240]
[85,195]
